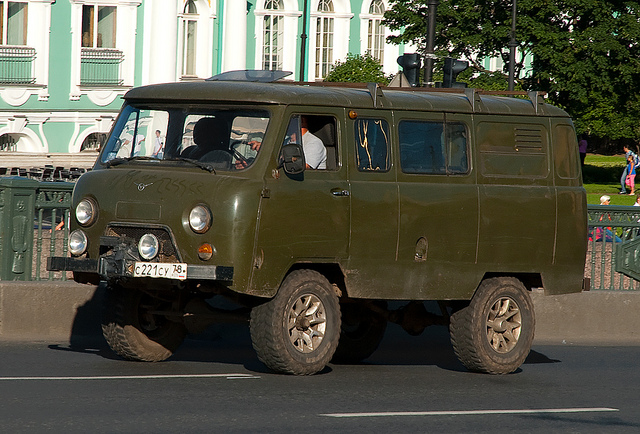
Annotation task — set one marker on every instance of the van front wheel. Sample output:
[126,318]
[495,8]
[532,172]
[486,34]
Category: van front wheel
[297,331]
[493,334]
[134,328]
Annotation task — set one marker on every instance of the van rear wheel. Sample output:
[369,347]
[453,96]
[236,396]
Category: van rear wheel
[361,332]
[297,331]
[133,328]
[493,334]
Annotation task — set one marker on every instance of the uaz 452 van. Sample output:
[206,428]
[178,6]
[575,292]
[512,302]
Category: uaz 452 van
[314,206]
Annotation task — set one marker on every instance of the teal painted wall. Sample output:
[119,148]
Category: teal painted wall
[58,135]
[355,45]
[251,36]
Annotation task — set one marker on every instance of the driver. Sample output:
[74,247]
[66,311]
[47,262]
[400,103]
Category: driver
[245,152]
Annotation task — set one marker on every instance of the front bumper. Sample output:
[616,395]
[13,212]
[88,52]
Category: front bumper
[109,268]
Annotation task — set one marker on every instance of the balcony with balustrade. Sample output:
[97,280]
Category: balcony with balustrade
[100,67]
[17,65]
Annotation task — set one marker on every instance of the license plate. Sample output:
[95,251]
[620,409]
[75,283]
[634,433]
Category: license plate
[161,270]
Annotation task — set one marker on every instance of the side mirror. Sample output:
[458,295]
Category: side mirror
[292,159]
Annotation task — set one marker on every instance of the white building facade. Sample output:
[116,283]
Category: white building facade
[65,64]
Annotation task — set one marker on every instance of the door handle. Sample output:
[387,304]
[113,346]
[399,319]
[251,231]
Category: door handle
[339,192]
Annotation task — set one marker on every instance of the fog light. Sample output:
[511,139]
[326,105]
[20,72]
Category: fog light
[205,251]
[77,242]
[148,246]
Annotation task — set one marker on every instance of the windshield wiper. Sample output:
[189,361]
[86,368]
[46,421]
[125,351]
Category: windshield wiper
[205,166]
[120,160]
[115,162]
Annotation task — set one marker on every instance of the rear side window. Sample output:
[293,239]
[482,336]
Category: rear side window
[566,152]
[372,143]
[435,148]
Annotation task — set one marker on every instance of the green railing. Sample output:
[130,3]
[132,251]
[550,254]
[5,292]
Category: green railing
[16,64]
[34,218]
[614,232]
[100,67]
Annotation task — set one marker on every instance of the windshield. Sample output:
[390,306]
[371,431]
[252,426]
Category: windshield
[225,139]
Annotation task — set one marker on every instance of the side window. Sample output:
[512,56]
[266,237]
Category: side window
[566,152]
[137,138]
[318,140]
[421,147]
[457,155]
[372,145]
[434,148]
[246,139]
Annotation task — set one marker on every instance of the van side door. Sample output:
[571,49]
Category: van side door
[438,206]
[371,271]
[517,195]
[303,218]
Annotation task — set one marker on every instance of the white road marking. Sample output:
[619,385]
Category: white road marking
[472,412]
[232,376]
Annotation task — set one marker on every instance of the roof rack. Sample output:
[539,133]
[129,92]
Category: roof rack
[375,89]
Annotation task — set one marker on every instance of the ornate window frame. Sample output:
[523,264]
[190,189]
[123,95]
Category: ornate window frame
[291,15]
[126,26]
[203,38]
[391,52]
[38,25]
[341,15]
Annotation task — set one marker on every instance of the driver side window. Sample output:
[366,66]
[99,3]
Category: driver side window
[318,140]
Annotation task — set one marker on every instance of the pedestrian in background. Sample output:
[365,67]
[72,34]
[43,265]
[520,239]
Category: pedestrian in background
[582,148]
[631,174]
[623,179]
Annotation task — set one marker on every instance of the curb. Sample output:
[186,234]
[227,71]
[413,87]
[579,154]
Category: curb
[69,311]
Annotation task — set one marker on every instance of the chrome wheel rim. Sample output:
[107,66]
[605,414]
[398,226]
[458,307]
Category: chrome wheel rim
[307,322]
[504,323]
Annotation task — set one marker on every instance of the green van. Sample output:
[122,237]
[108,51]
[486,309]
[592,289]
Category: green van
[314,206]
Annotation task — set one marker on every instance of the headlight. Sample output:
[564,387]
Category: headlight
[200,219]
[148,246]
[86,212]
[77,242]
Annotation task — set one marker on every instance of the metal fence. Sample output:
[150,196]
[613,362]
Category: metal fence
[34,219]
[613,253]
[614,244]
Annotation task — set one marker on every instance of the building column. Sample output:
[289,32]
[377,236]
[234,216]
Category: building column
[160,42]
[234,43]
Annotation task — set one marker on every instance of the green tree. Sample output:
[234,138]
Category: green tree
[357,68]
[585,52]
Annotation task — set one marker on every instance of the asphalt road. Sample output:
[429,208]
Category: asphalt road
[412,384]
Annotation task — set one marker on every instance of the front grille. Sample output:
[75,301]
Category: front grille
[168,252]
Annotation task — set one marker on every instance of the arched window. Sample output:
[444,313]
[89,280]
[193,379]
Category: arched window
[9,142]
[375,30]
[189,30]
[324,38]
[93,142]
[273,36]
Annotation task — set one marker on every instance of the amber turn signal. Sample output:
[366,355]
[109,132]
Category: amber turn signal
[205,251]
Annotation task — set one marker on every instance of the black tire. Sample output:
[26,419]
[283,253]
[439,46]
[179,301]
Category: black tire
[297,331]
[135,334]
[496,347]
[360,334]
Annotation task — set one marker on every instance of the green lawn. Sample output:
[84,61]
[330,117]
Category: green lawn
[601,175]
